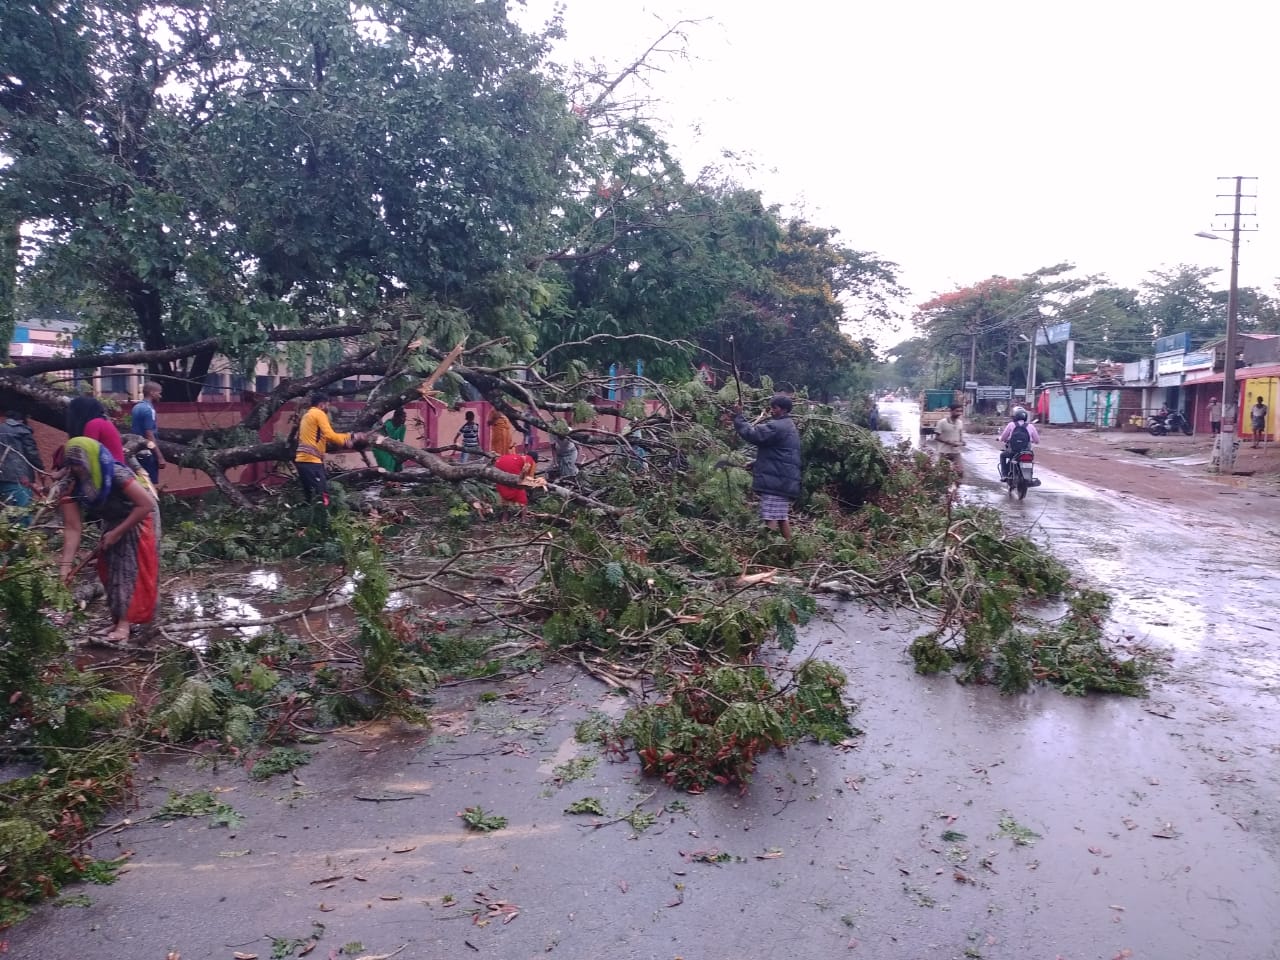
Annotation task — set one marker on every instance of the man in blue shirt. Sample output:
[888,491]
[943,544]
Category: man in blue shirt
[143,421]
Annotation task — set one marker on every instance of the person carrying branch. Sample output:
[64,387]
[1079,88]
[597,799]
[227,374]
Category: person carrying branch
[776,475]
[315,436]
[524,467]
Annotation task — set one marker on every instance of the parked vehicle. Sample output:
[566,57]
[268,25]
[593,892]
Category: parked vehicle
[934,406]
[1160,424]
[1019,475]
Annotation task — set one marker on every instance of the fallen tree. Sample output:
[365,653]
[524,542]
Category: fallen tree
[529,398]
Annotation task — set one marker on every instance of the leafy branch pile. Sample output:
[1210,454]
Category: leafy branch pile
[57,725]
[689,572]
[712,725]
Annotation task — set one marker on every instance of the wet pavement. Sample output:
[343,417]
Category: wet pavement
[963,823]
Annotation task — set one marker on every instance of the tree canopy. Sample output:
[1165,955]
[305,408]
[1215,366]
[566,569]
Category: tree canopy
[236,176]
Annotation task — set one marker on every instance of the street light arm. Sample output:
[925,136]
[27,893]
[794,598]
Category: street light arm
[1209,236]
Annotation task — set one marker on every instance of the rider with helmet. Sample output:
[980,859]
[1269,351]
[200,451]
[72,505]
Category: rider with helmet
[1017,436]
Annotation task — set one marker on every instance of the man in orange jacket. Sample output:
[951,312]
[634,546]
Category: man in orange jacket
[315,436]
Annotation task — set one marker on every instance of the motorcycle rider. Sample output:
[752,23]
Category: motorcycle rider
[1018,435]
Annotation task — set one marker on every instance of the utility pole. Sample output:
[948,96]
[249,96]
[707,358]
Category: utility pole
[1031,369]
[1226,452]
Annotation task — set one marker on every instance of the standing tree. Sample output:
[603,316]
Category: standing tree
[790,325]
[212,170]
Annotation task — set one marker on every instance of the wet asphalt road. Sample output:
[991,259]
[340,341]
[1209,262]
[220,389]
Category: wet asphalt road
[962,824]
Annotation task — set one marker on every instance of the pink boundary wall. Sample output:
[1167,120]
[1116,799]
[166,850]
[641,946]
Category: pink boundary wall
[428,424]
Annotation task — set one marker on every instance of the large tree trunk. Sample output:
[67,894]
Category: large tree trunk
[181,378]
[10,239]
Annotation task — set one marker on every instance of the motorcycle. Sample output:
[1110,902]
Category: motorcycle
[1160,424]
[1020,473]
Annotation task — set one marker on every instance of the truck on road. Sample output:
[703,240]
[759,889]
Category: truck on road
[934,406]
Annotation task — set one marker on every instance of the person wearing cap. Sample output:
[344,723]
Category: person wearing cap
[315,436]
[776,474]
[19,461]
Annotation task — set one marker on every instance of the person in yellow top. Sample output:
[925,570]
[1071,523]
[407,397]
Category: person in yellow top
[315,436]
[499,433]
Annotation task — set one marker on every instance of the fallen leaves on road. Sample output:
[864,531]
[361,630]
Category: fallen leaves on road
[492,910]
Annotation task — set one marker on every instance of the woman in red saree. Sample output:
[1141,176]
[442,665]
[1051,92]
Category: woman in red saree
[523,466]
[98,488]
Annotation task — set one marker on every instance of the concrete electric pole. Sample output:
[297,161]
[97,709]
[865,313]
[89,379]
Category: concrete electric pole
[1225,455]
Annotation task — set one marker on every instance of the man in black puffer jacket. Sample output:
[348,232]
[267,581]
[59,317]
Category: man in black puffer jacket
[777,469]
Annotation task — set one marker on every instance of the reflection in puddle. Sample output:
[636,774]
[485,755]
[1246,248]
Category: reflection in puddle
[192,606]
[264,579]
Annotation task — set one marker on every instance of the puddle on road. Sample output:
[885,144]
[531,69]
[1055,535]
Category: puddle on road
[236,598]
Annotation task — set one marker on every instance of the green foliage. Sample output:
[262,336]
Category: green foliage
[285,947]
[593,728]
[199,803]
[929,655]
[1020,835]
[714,724]
[586,805]
[576,769]
[155,229]
[788,323]
[194,710]
[476,819]
[64,723]
[389,672]
[278,760]
[29,641]
[46,814]
[993,639]
[200,532]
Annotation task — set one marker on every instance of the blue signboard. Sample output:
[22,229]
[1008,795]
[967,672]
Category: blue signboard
[1174,343]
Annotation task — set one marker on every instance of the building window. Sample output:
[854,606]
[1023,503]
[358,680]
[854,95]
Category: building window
[116,381]
[265,384]
[212,387]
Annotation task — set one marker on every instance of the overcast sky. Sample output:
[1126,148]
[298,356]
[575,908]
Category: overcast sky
[965,139]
